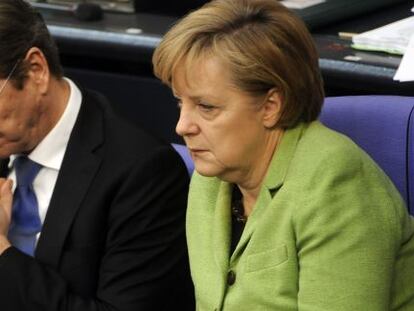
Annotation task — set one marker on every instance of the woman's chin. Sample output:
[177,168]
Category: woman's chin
[205,173]
[207,170]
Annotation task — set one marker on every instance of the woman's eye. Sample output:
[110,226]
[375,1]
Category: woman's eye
[206,107]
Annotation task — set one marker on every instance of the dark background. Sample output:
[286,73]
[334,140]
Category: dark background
[110,56]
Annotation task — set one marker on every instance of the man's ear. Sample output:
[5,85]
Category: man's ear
[272,108]
[38,69]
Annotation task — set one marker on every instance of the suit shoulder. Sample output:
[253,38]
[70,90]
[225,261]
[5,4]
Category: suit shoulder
[320,145]
[325,159]
[328,165]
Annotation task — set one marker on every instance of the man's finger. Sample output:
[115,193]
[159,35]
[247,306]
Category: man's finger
[6,195]
[2,181]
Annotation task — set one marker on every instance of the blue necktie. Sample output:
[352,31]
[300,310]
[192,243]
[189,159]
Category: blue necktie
[25,223]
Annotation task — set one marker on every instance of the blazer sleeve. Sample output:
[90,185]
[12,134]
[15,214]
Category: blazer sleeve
[348,231]
[144,261]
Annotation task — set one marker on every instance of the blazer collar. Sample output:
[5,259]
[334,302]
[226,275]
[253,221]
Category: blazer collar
[79,166]
[222,226]
[273,181]
[280,163]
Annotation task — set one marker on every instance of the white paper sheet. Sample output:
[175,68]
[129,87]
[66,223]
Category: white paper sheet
[405,71]
[391,38]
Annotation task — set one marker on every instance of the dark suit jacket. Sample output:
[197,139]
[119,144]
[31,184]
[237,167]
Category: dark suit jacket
[113,237]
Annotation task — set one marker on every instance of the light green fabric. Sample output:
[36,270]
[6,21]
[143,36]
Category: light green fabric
[328,232]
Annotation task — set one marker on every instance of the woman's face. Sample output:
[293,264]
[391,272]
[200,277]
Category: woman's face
[225,129]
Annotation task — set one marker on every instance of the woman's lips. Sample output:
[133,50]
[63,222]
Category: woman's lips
[197,150]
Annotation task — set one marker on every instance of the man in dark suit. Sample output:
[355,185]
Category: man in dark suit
[109,199]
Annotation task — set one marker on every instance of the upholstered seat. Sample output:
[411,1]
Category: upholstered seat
[384,127]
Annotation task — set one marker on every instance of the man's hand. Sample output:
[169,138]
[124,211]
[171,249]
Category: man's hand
[6,200]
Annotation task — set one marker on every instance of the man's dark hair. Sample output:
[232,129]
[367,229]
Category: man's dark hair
[21,28]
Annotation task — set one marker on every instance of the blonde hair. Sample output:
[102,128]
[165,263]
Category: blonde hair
[263,44]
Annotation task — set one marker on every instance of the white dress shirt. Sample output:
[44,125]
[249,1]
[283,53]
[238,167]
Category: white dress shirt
[50,152]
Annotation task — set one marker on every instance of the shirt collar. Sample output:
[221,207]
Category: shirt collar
[51,150]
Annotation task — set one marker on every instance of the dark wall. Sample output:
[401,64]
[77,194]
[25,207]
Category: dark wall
[174,8]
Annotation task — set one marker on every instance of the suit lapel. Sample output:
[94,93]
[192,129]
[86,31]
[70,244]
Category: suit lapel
[78,169]
[273,181]
[262,202]
[222,227]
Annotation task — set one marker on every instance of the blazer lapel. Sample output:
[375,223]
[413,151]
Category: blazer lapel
[263,200]
[273,181]
[222,227]
[78,169]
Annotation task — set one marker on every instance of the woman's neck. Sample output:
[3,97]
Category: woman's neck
[250,186]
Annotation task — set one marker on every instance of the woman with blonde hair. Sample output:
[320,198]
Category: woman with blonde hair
[283,213]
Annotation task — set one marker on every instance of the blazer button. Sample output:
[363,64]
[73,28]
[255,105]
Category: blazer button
[231,277]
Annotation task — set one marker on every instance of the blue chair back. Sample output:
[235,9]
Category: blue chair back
[384,127]
[185,155]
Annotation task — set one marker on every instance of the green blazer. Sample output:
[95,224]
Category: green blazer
[329,232]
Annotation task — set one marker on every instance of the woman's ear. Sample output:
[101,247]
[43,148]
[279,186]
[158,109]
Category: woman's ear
[272,108]
[38,69]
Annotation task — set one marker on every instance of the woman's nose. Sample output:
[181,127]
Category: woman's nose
[186,124]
